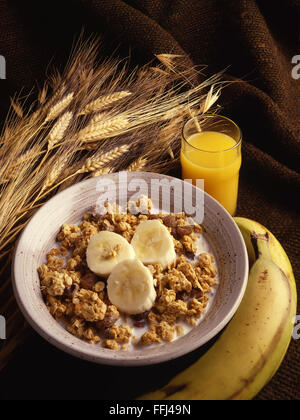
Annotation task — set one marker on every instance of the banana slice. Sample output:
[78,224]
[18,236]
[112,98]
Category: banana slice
[105,250]
[153,243]
[130,287]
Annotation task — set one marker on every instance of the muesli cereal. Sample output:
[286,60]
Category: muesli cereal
[79,298]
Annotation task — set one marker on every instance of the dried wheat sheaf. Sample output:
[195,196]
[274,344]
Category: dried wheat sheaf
[95,118]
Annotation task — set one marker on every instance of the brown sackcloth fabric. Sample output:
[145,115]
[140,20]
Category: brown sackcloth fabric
[257,40]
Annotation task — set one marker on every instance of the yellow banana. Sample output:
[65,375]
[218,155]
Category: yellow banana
[278,254]
[251,348]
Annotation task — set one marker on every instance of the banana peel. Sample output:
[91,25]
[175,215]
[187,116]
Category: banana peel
[250,350]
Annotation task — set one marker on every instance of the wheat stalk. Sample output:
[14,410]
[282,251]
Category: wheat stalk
[102,171]
[95,163]
[58,130]
[137,165]
[53,176]
[59,107]
[42,95]
[168,60]
[87,147]
[17,108]
[101,117]
[103,102]
[103,129]
[211,98]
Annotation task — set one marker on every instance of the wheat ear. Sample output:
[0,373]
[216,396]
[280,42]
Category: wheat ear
[57,169]
[17,108]
[102,130]
[59,107]
[211,98]
[42,95]
[103,102]
[101,172]
[58,130]
[94,164]
[137,165]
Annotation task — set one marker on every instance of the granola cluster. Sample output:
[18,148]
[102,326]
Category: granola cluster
[77,296]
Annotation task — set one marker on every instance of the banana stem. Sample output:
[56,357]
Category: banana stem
[260,244]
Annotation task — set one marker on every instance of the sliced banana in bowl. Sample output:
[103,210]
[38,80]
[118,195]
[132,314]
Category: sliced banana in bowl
[106,250]
[130,287]
[153,243]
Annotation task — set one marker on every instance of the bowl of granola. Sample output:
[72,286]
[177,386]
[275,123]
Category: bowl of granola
[130,269]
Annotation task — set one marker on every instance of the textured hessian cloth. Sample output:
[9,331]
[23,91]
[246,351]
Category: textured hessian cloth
[256,40]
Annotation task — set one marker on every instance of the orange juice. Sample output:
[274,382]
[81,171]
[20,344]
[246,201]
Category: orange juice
[216,158]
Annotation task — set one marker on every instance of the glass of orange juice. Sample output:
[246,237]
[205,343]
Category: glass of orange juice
[211,150]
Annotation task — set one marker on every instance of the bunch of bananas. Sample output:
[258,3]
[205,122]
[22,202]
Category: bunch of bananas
[250,350]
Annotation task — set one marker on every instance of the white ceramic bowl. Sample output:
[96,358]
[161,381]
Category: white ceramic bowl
[69,206]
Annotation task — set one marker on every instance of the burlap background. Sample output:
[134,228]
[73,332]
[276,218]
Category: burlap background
[257,39]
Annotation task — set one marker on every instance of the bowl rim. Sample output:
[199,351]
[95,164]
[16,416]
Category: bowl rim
[50,337]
